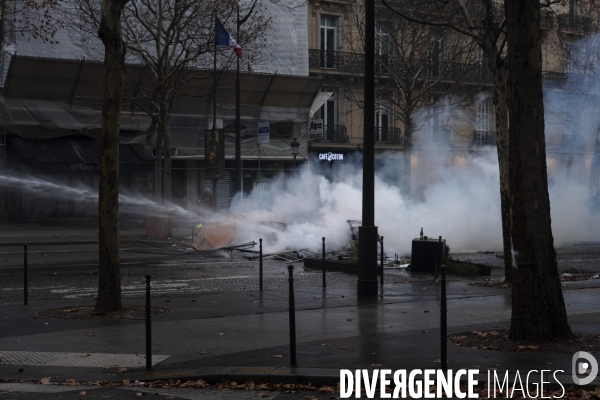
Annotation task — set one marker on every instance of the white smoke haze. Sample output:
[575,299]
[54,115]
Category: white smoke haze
[463,207]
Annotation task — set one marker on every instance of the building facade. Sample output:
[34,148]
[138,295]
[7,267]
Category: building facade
[450,111]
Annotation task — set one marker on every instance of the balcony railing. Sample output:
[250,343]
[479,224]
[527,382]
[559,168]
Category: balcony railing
[574,23]
[554,77]
[388,135]
[347,62]
[385,64]
[484,138]
[334,134]
[478,73]
[444,71]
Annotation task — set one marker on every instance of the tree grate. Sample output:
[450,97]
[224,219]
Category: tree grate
[76,359]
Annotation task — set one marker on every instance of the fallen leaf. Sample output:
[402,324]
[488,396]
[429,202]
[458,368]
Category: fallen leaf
[259,395]
[375,365]
[438,361]
[90,334]
[122,370]
[423,331]
[83,393]
[71,382]
[84,355]
[139,393]
[277,356]
[45,381]
[523,347]
[203,352]
[344,347]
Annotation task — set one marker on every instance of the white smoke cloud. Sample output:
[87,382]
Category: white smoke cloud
[463,207]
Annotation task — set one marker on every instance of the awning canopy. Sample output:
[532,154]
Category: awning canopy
[46,98]
[75,149]
[77,82]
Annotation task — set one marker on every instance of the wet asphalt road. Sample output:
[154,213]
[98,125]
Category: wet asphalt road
[70,271]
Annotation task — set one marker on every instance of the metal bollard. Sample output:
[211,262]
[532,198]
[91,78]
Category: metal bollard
[381,261]
[292,309]
[443,322]
[25,283]
[324,281]
[148,325]
[260,266]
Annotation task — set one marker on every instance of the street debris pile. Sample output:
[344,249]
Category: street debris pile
[487,282]
[202,384]
[498,340]
[565,277]
[87,312]
[573,277]
[231,385]
[329,392]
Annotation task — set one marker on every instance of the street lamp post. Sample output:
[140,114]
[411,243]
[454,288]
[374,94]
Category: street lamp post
[295,145]
[238,127]
[367,232]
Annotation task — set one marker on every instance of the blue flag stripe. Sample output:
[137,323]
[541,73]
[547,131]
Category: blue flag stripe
[222,34]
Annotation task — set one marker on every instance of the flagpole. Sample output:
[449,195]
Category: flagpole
[238,125]
[214,124]
[238,139]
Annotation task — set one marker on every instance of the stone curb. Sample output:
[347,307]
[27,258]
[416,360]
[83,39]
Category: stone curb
[299,375]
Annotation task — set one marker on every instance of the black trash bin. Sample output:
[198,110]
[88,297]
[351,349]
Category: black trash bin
[424,254]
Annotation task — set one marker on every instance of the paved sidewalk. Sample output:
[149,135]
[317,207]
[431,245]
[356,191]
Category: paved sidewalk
[245,334]
[76,231]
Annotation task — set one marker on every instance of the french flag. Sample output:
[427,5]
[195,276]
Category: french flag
[225,39]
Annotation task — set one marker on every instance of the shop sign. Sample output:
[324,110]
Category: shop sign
[315,129]
[264,131]
[331,156]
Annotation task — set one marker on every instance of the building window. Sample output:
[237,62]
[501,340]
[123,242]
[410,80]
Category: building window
[438,124]
[436,54]
[383,120]
[383,48]
[329,113]
[329,41]
[483,117]
[573,8]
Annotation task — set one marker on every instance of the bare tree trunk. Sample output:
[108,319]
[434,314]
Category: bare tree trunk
[109,280]
[538,307]
[158,159]
[406,160]
[166,133]
[501,106]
